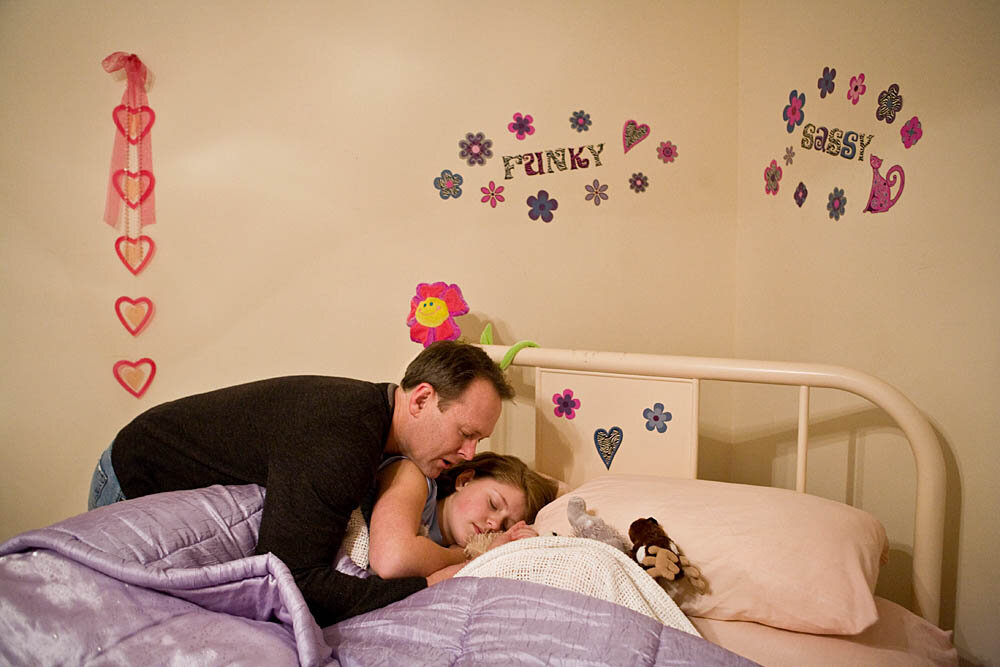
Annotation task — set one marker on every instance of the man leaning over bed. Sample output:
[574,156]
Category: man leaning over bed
[315,443]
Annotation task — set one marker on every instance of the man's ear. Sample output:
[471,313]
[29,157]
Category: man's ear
[464,478]
[421,397]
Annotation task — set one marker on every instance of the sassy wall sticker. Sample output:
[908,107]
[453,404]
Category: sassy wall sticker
[800,194]
[826,82]
[772,174]
[535,166]
[880,199]
[794,112]
[580,121]
[433,311]
[566,404]
[596,192]
[608,443]
[666,151]
[521,126]
[448,184]
[633,133]
[911,132]
[638,182]
[836,202]
[541,206]
[491,194]
[857,88]
[656,418]
[890,102]
[135,254]
[135,376]
[836,142]
[134,314]
[475,149]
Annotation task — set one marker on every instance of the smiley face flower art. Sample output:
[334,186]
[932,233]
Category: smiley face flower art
[433,311]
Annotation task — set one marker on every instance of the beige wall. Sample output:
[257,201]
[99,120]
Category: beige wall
[295,148]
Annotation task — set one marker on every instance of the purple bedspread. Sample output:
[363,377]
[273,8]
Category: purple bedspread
[172,579]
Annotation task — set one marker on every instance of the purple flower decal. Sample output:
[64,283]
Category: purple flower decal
[837,203]
[772,174]
[566,405]
[596,192]
[639,182]
[475,148]
[793,113]
[542,206]
[448,184]
[800,194]
[521,126]
[789,155]
[911,132]
[889,104]
[825,82]
[492,194]
[666,151]
[656,418]
[580,121]
[857,88]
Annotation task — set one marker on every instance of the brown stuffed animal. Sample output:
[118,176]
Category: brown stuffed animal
[660,555]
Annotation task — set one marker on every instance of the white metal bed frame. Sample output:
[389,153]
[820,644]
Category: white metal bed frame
[929,517]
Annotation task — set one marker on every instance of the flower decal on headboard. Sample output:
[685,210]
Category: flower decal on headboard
[433,311]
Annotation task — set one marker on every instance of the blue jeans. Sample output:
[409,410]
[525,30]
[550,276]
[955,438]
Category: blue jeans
[104,486]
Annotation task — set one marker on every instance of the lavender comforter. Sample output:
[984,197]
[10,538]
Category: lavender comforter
[172,579]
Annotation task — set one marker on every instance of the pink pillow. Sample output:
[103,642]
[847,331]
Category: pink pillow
[773,556]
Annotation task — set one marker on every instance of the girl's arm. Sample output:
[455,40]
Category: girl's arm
[395,547]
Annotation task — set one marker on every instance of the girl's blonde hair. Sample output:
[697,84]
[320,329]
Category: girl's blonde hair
[538,489]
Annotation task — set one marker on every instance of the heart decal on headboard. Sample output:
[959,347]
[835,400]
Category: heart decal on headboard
[607,443]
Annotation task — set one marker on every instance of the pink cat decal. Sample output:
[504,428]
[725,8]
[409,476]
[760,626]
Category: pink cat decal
[879,201]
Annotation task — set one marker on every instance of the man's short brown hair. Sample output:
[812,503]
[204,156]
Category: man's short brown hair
[450,367]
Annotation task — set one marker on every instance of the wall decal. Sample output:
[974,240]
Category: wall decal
[607,443]
[433,311]
[448,184]
[911,132]
[135,254]
[638,182]
[837,202]
[879,200]
[492,194]
[476,149]
[836,141]
[826,83]
[566,404]
[134,314]
[541,205]
[135,376]
[789,155]
[534,166]
[889,104]
[772,174]
[794,113]
[800,194]
[857,88]
[666,151]
[596,192]
[521,126]
[633,133]
[656,418]
[580,121]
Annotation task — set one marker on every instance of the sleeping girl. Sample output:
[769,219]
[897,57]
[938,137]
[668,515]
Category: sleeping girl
[420,526]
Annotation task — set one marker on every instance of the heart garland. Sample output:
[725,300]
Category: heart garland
[137,187]
[607,443]
[633,133]
[138,119]
[134,314]
[135,376]
[135,254]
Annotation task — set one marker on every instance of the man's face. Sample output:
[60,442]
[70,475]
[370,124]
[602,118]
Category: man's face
[442,438]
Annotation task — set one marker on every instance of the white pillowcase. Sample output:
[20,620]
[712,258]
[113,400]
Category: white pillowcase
[773,556]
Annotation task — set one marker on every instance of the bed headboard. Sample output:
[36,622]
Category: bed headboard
[638,392]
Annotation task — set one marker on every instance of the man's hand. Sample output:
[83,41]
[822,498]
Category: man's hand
[444,573]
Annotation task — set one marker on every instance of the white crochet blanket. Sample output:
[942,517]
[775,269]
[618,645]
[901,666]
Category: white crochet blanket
[585,566]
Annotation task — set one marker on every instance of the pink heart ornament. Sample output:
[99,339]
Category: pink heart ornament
[133,122]
[633,133]
[134,314]
[134,187]
[136,376]
[135,253]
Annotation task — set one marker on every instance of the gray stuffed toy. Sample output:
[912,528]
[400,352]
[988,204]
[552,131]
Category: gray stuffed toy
[590,526]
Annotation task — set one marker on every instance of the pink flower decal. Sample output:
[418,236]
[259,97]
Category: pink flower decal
[772,174]
[521,126]
[857,88]
[666,151]
[433,311]
[492,194]
[566,405]
[911,132]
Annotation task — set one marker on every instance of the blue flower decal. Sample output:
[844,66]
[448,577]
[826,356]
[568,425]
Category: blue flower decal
[542,206]
[656,418]
[825,83]
[837,202]
[448,184]
[566,405]
[580,121]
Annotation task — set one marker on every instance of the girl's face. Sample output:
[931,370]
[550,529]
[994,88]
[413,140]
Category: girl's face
[480,505]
